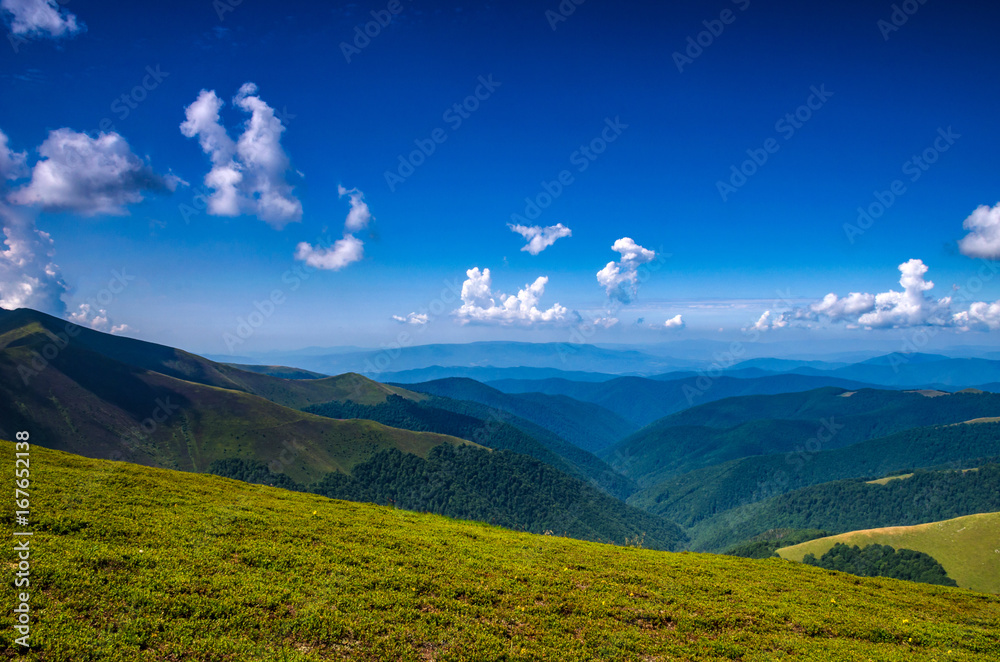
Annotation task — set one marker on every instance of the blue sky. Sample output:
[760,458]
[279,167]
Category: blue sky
[721,257]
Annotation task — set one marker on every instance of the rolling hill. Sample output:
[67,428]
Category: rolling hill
[496,429]
[689,498]
[583,424]
[744,426]
[146,564]
[86,403]
[848,505]
[965,546]
[39,335]
[642,401]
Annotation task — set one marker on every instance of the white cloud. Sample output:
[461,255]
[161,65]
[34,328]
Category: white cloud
[12,164]
[540,238]
[89,176]
[119,329]
[766,323]
[416,319]
[90,317]
[360,216]
[604,322]
[248,176]
[983,239]
[39,18]
[911,307]
[620,279]
[28,276]
[844,309]
[675,322]
[479,304]
[344,252]
[980,316]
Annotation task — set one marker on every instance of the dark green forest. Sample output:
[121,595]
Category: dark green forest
[499,487]
[882,561]
[485,426]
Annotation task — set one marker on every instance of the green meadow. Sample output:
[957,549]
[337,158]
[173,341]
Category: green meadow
[131,563]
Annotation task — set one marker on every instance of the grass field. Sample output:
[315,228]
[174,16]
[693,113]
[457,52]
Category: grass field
[968,547]
[131,563]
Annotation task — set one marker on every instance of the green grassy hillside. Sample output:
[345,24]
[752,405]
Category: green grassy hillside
[86,403]
[967,547]
[133,563]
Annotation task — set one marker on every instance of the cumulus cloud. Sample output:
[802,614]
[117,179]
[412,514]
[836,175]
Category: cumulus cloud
[344,251]
[769,321]
[620,279]
[912,307]
[28,276]
[675,322]
[248,175]
[12,164]
[89,176]
[983,239]
[540,238]
[360,216]
[838,309]
[480,305]
[416,319]
[96,318]
[39,18]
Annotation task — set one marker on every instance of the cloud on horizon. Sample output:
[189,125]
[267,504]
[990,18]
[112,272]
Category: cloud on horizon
[480,305]
[912,307]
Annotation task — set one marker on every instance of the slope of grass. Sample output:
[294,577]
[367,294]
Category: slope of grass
[967,547]
[133,563]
